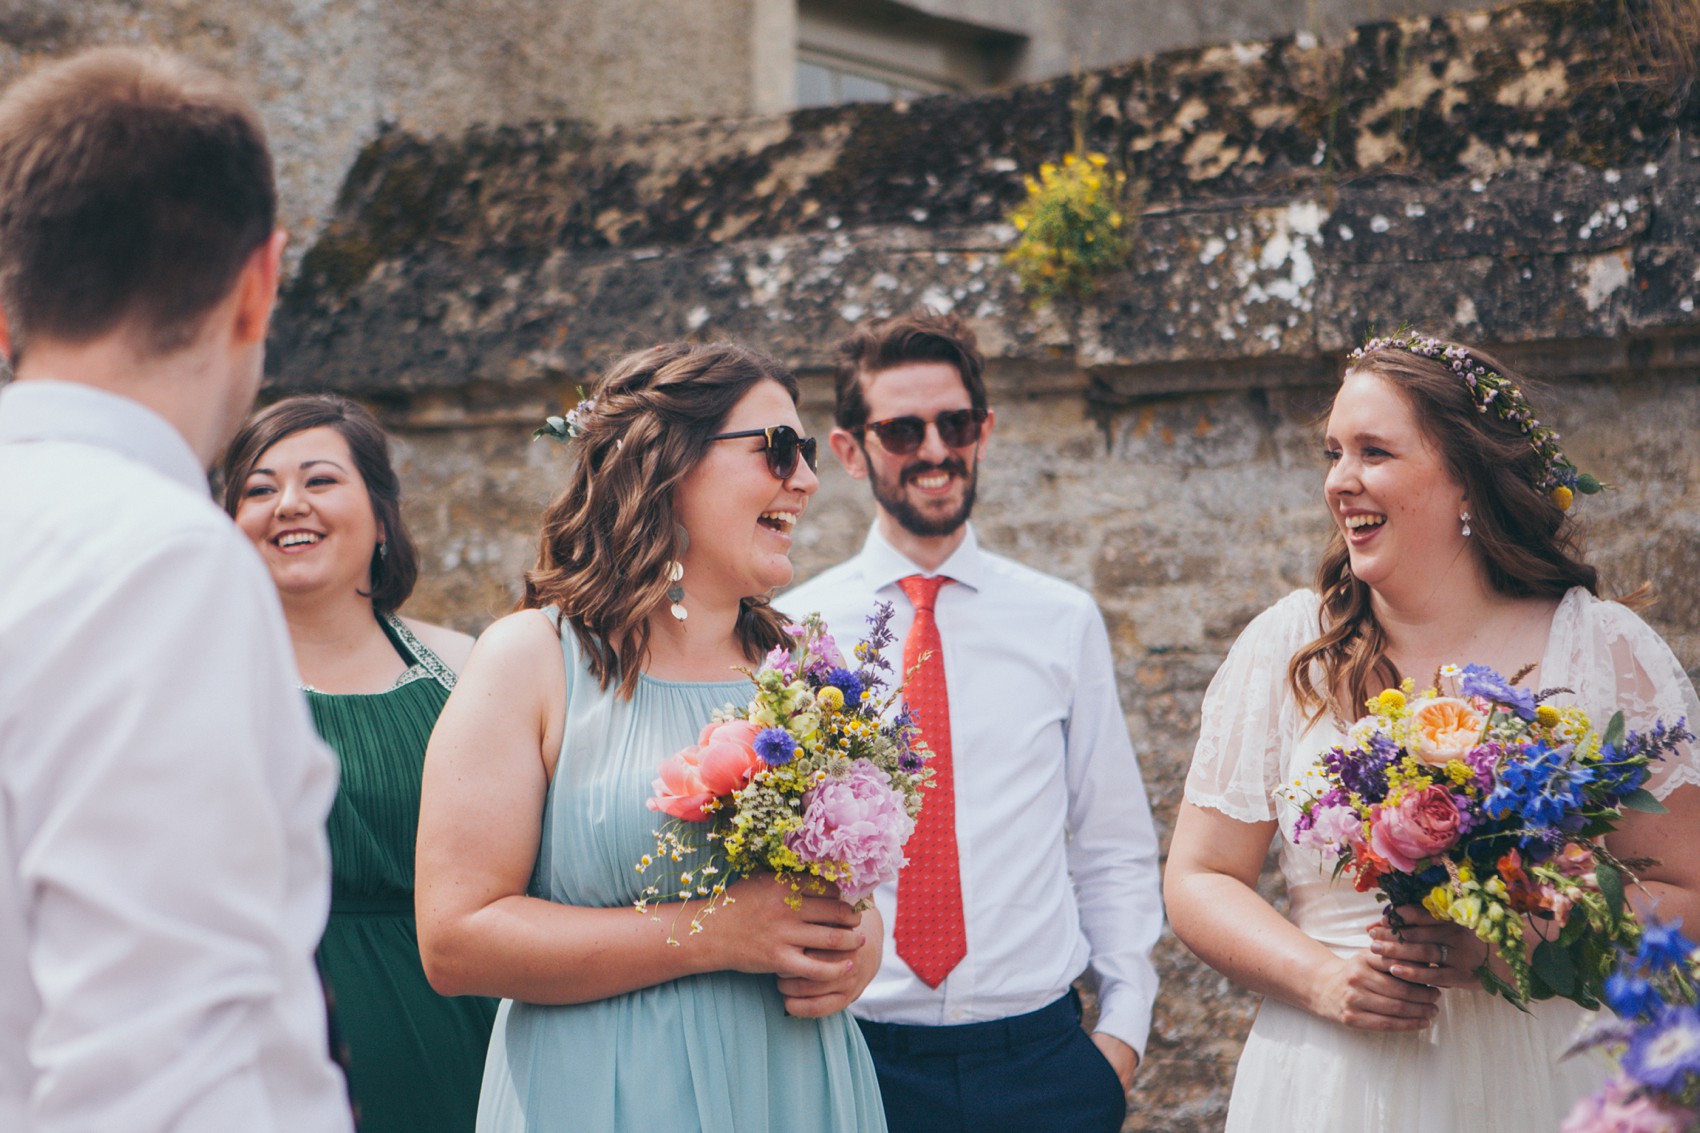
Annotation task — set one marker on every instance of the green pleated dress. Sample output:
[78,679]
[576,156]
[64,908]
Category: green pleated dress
[415,1058]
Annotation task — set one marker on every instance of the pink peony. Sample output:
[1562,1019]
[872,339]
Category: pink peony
[859,822]
[1417,826]
[1613,1110]
[722,761]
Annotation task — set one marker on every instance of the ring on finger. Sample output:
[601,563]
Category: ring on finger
[1445,954]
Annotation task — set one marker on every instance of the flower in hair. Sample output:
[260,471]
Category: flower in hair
[1490,389]
[572,425]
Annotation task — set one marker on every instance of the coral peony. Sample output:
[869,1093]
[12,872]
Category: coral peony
[1417,826]
[722,761]
[858,821]
[1444,728]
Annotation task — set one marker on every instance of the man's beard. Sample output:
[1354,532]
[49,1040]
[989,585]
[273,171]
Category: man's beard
[890,496]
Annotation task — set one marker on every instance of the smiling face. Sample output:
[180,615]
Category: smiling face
[926,496]
[307,509]
[740,518]
[1391,495]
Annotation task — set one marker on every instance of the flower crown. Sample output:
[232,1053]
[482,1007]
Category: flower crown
[1490,389]
[570,427]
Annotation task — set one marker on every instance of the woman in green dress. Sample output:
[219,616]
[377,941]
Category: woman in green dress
[309,480]
[650,593]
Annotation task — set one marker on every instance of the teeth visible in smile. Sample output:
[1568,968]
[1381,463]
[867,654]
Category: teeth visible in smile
[932,480]
[1356,521]
[783,520]
[297,538]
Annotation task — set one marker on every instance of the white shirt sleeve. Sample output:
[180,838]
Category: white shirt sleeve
[1112,845]
[166,796]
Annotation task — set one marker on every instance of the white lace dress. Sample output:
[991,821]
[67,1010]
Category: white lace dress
[1483,1064]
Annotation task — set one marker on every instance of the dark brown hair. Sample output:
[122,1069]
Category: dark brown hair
[607,538]
[1525,542]
[133,188]
[390,575]
[922,335]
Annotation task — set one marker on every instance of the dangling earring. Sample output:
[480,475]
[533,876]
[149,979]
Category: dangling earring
[384,550]
[1465,519]
[676,576]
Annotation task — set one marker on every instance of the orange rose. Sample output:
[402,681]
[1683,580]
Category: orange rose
[1447,727]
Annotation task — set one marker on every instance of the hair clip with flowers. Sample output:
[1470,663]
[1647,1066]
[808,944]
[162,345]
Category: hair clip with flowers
[1492,390]
[570,426]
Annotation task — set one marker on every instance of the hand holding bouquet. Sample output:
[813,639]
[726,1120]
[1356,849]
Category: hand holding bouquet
[1488,809]
[808,781]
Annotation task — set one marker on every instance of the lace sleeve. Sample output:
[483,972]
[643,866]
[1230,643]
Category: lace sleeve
[1249,721]
[1616,662]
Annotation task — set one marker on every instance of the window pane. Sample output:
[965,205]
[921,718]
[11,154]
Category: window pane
[855,88]
[814,85]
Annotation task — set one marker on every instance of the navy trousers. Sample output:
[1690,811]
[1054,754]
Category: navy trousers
[1035,1073]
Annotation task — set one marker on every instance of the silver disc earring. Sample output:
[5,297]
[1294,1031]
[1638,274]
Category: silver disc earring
[676,576]
[1465,519]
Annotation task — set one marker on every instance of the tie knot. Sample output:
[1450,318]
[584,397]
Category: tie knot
[921,590]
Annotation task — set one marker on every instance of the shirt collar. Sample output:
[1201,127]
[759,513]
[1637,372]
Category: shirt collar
[884,565]
[45,410]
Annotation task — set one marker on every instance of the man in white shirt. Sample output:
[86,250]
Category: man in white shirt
[164,876]
[1041,864]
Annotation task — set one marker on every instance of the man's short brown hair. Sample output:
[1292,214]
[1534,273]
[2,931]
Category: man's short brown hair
[921,335]
[133,188]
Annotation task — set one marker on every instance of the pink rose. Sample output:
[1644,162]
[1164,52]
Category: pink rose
[723,760]
[1446,728]
[1417,826]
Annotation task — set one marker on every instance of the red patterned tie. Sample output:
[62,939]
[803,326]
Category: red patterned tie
[930,936]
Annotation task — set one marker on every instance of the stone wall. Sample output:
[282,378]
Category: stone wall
[1525,178]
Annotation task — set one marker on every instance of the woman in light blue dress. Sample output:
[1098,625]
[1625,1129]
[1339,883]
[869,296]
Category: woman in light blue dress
[649,593]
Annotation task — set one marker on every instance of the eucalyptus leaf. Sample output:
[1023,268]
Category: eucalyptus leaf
[1555,967]
[1611,886]
[1643,800]
[1614,731]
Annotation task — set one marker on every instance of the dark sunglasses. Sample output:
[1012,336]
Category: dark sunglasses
[900,436]
[782,448]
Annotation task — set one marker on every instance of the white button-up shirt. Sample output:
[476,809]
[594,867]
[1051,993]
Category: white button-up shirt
[164,875]
[1054,835]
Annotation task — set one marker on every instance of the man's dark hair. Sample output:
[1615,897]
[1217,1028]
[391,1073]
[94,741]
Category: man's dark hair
[133,188]
[921,335]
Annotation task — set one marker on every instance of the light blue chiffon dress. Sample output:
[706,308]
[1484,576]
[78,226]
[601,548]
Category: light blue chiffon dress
[714,1053]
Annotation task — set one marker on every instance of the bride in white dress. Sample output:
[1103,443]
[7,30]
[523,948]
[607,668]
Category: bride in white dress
[1449,546]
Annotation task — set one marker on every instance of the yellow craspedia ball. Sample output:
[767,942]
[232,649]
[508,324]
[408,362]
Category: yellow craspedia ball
[1547,716]
[1563,497]
[829,699]
[1391,700]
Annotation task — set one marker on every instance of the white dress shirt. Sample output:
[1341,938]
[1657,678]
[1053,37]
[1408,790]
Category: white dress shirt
[1054,834]
[164,875]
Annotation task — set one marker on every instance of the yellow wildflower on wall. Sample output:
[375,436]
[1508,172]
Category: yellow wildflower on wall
[1071,228]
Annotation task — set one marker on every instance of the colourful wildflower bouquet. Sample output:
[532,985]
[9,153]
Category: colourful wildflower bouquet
[810,780]
[1488,809]
[1657,1030]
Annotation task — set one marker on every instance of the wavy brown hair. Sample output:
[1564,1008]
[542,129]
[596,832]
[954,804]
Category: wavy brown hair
[1524,541]
[607,538]
[391,574]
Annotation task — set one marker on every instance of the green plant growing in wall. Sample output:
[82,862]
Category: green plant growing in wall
[1071,230]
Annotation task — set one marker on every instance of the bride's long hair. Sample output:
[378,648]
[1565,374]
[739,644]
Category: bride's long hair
[1525,542]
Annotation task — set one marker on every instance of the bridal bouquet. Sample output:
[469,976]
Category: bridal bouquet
[1657,1030]
[1487,808]
[809,780]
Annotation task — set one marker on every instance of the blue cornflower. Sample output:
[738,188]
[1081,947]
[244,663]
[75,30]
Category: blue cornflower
[848,683]
[1664,1054]
[1479,680]
[1664,946]
[775,746]
[1631,996]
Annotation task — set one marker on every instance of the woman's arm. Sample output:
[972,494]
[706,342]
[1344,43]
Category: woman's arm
[487,774]
[1670,887]
[1209,890]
